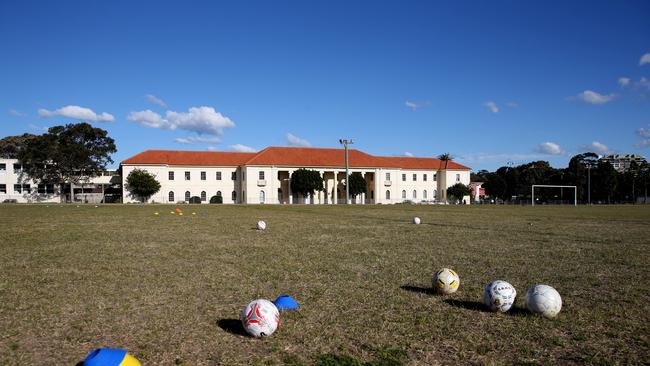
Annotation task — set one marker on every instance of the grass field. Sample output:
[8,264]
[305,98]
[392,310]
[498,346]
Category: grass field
[170,289]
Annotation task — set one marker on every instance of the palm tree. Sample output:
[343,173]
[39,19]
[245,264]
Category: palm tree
[444,157]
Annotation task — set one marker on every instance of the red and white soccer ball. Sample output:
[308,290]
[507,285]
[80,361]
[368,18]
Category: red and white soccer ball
[499,296]
[446,281]
[544,300]
[261,225]
[260,318]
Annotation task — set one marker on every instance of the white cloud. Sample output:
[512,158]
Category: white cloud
[16,113]
[623,81]
[644,132]
[643,83]
[645,59]
[155,100]
[512,104]
[202,120]
[589,96]
[193,140]
[408,154]
[77,112]
[491,106]
[549,148]
[294,140]
[37,128]
[242,148]
[415,105]
[597,147]
[499,157]
[212,148]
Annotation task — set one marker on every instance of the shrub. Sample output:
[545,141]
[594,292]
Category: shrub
[195,199]
[216,199]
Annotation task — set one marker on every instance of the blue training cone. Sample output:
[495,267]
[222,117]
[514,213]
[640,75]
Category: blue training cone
[286,302]
[110,357]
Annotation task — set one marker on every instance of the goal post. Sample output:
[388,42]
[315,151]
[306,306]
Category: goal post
[532,191]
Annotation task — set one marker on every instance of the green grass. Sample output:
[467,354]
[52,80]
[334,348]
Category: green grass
[170,289]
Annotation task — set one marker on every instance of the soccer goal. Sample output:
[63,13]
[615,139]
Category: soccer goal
[532,191]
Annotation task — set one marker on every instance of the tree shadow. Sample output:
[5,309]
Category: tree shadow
[418,289]
[232,326]
[479,306]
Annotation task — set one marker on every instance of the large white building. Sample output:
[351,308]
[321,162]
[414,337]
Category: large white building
[264,177]
[15,186]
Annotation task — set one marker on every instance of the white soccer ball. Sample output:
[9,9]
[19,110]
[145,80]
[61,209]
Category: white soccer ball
[446,281]
[499,296]
[261,225]
[543,300]
[417,220]
[260,318]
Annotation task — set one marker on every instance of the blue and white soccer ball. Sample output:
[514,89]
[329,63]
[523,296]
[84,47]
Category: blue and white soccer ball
[544,300]
[260,318]
[499,296]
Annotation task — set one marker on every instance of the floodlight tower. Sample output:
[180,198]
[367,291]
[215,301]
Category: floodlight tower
[345,144]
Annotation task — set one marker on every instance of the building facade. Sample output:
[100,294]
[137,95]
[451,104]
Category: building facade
[15,186]
[265,177]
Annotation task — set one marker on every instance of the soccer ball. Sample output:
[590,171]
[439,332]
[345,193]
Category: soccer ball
[260,318]
[261,225]
[417,221]
[499,296]
[543,300]
[446,281]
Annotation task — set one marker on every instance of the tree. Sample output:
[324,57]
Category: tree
[305,182]
[11,145]
[357,184]
[446,157]
[604,181]
[142,184]
[495,186]
[458,191]
[67,154]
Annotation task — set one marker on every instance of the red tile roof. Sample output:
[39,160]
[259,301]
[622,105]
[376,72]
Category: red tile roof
[289,156]
[175,157]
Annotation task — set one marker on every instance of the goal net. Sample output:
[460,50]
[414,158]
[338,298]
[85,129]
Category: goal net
[548,193]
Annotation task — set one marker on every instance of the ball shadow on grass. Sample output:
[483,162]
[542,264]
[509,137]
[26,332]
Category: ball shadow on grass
[418,289]
[479,306]
[232,326]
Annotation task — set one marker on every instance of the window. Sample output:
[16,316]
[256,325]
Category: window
[202,175]
[171,196]
[415,194]
[3,166]
[435,176]
[171,175]
[18,188]
[234,196]
[3,188]
[387,195]
[204,196]
[187,175]
[457,177]
[424,194]
[261,176]
[424,177]
[404,194]
[387,176]
[49,188]
[187,196]
[262,194]
[41,188]
[372,195]
[435,193]
[27,188]
[234,175]
[403,177]
[218,175]
[415,177]
[17,167]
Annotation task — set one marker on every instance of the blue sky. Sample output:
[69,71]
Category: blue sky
[489,82]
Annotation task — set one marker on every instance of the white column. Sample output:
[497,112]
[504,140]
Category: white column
[336,186]
[320,193]
[378,194]
[363,198]
[290,193]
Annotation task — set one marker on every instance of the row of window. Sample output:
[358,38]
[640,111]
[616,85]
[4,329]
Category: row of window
[188,175]
[424,177]
[203,195]
[425,195]
[26,188]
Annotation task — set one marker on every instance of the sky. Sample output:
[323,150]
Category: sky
[491,83]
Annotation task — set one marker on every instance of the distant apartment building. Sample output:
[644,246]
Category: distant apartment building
[16,186]
[622,162]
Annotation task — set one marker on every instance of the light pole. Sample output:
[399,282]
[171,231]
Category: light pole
[345,144]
